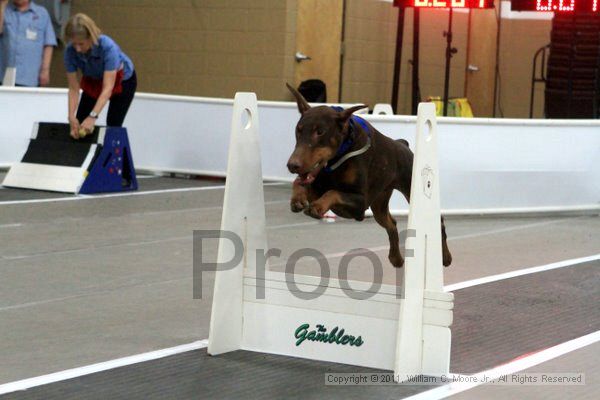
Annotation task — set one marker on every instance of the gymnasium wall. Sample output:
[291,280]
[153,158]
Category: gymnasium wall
[214,48]
[201,47]
[370,49]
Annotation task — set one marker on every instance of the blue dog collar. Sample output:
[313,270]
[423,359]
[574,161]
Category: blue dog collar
[342,153]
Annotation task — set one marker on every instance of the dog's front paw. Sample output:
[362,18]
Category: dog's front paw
[315,210]
[298,205]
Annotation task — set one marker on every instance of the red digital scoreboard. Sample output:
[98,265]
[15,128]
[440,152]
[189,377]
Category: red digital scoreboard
[586,6]
[445,3]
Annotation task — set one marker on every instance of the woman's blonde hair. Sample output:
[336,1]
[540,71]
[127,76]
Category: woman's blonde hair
[82,26]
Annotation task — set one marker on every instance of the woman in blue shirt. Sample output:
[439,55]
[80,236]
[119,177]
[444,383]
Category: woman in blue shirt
[107,74]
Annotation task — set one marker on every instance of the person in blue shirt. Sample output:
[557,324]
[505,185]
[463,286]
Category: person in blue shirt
[27,41]
[106,74]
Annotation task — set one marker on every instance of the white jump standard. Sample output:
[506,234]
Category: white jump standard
[408,334]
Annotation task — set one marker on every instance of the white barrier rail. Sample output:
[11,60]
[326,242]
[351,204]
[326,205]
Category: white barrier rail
[488,165]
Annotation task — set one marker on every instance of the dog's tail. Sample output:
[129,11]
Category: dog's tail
[404,142]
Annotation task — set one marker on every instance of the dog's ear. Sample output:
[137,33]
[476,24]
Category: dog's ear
[344,115]
[300,100]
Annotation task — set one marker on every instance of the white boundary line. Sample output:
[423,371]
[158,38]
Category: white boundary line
[103,196]
[124,194]
[103,366]
[511,367]
[520,272]
[10,226]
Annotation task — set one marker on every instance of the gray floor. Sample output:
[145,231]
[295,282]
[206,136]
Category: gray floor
[480,343]
[85,280]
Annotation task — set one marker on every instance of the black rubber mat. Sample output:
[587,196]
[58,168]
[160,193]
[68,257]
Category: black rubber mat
[494,323]
[59,132]
[51,152]
[53,145]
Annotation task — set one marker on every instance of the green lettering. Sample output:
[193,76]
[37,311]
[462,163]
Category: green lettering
[332,335]
[320,335]
[338,339]
[301,333]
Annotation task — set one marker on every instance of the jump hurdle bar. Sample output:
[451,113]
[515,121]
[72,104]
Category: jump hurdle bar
[408,334]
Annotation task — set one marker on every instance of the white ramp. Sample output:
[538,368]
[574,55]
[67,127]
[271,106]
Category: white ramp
[52,161]
[327,319]
[100,162]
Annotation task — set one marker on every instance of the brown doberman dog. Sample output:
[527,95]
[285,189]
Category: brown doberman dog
[345,165]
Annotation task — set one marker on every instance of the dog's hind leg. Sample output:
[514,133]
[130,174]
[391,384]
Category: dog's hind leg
[446,256]
[381,212]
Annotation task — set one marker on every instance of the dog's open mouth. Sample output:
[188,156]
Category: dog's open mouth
[308,177]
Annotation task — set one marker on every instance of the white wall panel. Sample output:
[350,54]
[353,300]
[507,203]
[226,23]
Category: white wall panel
[487,165]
